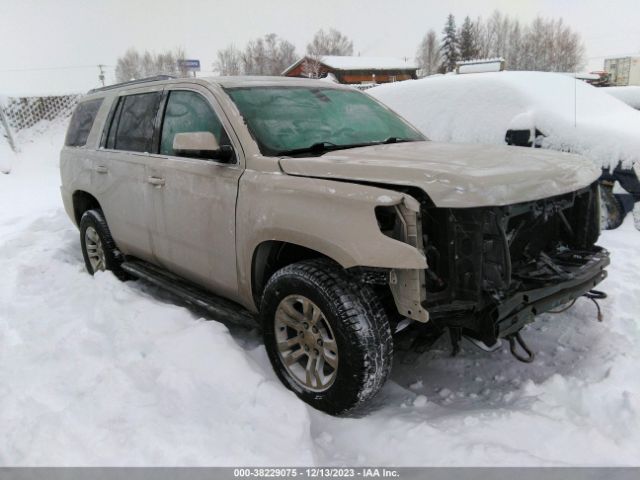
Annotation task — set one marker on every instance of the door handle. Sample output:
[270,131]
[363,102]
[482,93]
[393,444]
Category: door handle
[102,169]
[156,181]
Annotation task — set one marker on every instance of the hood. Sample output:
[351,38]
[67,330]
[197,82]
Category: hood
[455,175]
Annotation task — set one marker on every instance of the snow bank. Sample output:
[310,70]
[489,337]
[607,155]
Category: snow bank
[480,108]
[43,140]
[94,371]
[6,156]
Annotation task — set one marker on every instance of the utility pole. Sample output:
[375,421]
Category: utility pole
[101,74]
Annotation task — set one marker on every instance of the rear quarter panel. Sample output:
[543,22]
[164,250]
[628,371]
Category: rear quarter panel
[76,163]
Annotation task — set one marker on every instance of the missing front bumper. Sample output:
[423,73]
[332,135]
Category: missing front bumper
[512,313]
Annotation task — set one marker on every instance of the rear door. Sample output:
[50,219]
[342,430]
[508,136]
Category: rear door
[195,198]
[120,170]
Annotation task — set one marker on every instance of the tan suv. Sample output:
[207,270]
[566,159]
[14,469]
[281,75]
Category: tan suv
[315,208]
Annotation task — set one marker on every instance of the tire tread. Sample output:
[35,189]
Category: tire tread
[359,308]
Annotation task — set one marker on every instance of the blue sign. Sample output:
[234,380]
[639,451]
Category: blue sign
[189,64]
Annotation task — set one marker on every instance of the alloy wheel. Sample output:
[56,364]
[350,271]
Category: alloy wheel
[95,250]
[306,344]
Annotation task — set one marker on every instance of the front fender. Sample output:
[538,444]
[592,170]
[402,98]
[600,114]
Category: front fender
[336,219]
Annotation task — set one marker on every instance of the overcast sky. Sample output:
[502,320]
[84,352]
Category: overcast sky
[57,34]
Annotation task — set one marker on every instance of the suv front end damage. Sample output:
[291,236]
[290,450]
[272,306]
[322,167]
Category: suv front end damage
[491,270]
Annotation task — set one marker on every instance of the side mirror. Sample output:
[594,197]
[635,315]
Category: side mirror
[200,145]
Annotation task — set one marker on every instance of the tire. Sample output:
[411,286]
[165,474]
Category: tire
[350,314]
[93,223]
[610,208]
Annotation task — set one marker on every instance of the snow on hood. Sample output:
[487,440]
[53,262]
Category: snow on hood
[456,176]
[480,108]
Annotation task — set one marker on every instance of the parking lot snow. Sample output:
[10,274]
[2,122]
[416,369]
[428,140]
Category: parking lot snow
[94,371]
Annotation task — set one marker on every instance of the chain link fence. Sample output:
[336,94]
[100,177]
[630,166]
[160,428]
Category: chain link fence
[19,113]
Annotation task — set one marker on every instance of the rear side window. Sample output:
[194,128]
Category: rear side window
[133,122]
[81,123]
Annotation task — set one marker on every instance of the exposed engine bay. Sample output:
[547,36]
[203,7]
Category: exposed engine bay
[493,269]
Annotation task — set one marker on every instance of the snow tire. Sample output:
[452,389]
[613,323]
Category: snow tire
[113,258]
[361,327]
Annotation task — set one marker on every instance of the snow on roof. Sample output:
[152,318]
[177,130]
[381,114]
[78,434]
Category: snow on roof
[629,95]
[367,63]
[338,62]
[480,108]
[480,60]
[583,75]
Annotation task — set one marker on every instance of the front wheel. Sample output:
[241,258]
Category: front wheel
[328,340]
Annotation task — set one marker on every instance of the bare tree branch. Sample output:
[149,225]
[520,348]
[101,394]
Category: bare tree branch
[428,54]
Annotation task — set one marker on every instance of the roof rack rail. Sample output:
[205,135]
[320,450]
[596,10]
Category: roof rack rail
[133,82]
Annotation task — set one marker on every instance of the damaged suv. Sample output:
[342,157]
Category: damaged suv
[317,210]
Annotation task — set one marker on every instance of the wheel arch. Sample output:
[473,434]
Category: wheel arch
[83,201]
[271,255]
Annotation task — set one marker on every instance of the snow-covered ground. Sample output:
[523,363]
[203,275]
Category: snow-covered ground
[94,371]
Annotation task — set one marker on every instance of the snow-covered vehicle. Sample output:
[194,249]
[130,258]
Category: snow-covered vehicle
[318,208]
[629,95]
[548,110]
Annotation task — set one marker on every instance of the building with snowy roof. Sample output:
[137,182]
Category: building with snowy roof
[354,70]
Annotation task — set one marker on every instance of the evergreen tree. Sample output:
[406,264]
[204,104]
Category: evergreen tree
[468,45]
[449,47]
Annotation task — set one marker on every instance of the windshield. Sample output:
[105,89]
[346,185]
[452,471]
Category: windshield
[288,120]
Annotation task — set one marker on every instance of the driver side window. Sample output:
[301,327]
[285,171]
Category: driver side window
[189,112]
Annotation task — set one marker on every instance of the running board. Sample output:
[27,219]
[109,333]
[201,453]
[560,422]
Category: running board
[219,308]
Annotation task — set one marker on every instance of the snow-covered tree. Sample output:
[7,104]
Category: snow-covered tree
[550,45]
[133,65]
[468,46]
[280,53]
[325,43]
[129,66]
[428,54]
[329,43]
[228,61]
[268,55]
[544,44]
[449,46]
[514,46]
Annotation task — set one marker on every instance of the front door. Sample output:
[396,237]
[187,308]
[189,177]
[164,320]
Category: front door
[195,198]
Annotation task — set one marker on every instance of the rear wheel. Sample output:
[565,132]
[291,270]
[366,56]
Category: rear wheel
[328,340]
[98,248]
